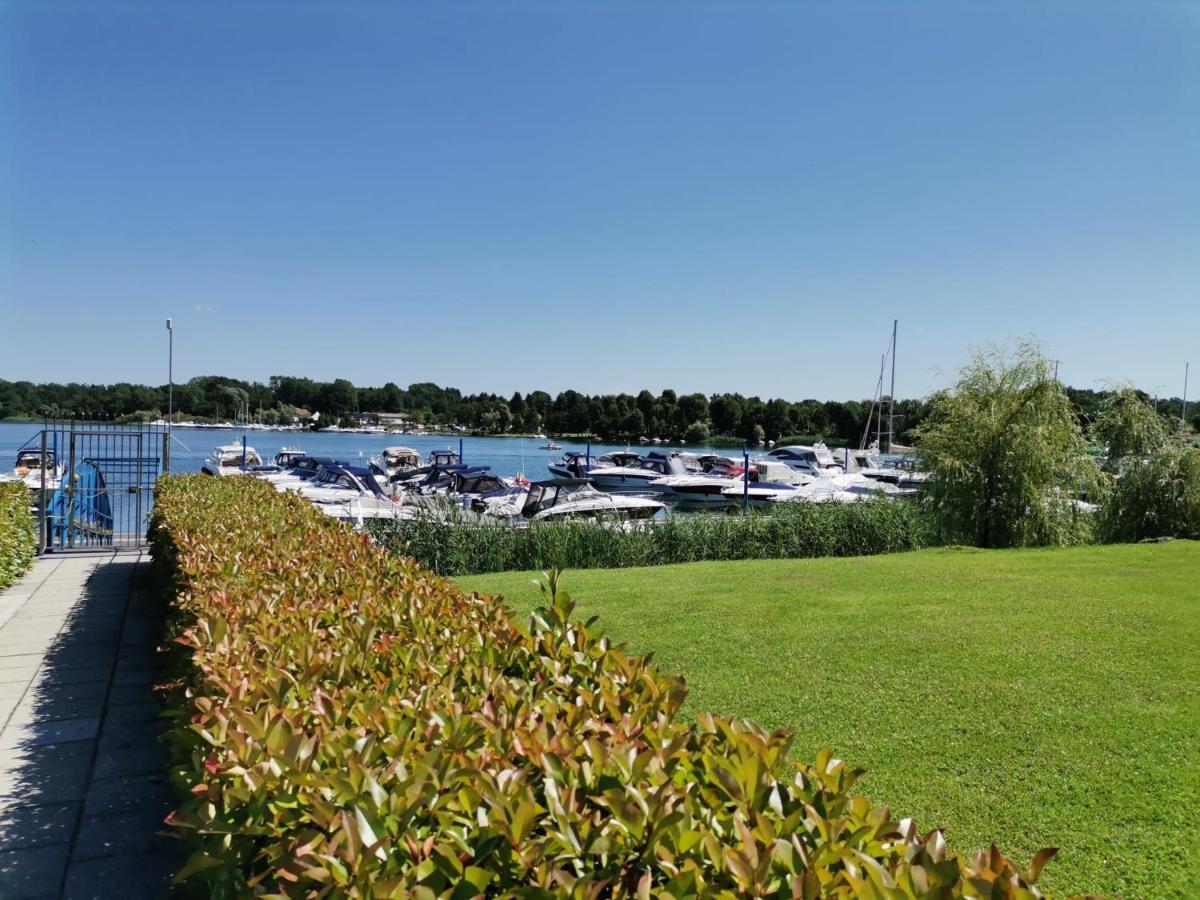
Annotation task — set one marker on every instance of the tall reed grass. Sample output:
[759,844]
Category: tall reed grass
[791,531]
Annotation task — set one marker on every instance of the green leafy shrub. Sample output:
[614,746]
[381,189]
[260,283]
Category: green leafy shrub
[17,541]
[791,531]
[352,725]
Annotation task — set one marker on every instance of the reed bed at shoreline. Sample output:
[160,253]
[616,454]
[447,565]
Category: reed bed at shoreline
[791,531]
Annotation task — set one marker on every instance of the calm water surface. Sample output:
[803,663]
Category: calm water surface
[506,456]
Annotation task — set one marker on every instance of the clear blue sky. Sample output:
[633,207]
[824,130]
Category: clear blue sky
[712,196]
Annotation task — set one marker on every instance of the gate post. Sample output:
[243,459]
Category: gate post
[140,532]
[70,476]
[166,453]
[45,508]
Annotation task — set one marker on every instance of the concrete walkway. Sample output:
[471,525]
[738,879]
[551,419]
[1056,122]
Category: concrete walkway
[83,783]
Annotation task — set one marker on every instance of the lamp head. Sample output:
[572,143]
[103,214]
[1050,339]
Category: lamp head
[169,325]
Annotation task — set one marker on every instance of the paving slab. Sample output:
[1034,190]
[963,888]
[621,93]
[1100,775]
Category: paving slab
[37,826]
[33,871]
[84,785]
[54,774]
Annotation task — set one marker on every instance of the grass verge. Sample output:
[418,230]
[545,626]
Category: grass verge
[1037,697]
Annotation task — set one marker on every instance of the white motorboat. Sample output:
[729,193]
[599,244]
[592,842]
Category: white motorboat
[701,488]
[357,511]
[704,489]
[852,488]
[863,461]
[438,459]
[554,500]
[636,476]
[230,459]
[713,488]
[337,484]
[287,457]
[399,460]
[578,465]
[905,475]
[815,460]
[28,469]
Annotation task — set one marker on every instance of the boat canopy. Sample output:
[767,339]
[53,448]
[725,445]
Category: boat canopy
[544,495]
[356,477]
[32,459]
[401,456]
[477,482]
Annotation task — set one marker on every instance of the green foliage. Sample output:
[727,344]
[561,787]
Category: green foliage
[1157,496]
[17,541]
[352,725]
[697,432]
[1127,427]
[793,530]
[1006,456]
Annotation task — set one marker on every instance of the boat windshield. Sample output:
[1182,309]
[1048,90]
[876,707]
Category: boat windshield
[32,459]
[331,478]
[621,458]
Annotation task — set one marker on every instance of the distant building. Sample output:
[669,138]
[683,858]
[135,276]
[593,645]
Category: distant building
[391,418]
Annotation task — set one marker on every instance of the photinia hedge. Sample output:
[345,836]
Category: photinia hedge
[17,541]
[352,725]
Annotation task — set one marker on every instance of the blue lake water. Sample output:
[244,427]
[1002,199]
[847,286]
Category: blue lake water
[506,456]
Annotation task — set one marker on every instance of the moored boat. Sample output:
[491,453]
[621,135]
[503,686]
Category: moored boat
[814,459]
[574,464]
[29,466]
[230,459]
[551,500]
[636,475]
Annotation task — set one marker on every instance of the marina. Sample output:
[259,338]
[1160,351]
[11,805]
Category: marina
[357,477]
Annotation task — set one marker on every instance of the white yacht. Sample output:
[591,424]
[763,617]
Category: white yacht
[337,484]
[553,500]
[864,461]
[713,488]
[636,475]
[437,459]
[399,460]
[28,469]
[577,465]
[229,459]
[813,460]
[287,457]
[841,488]
[357,511]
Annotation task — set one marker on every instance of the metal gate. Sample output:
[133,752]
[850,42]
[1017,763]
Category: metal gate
[94,483]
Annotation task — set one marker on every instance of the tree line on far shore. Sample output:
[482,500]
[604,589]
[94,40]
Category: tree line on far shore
[693,417]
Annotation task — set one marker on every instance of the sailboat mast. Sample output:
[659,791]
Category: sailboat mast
[879,400]
[892,393]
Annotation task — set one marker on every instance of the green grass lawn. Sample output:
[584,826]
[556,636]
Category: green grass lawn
[1035,697]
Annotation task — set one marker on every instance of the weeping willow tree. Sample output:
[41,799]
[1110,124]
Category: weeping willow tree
[1128,427]
[1005,455]
[1156,496]
[1156,484]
